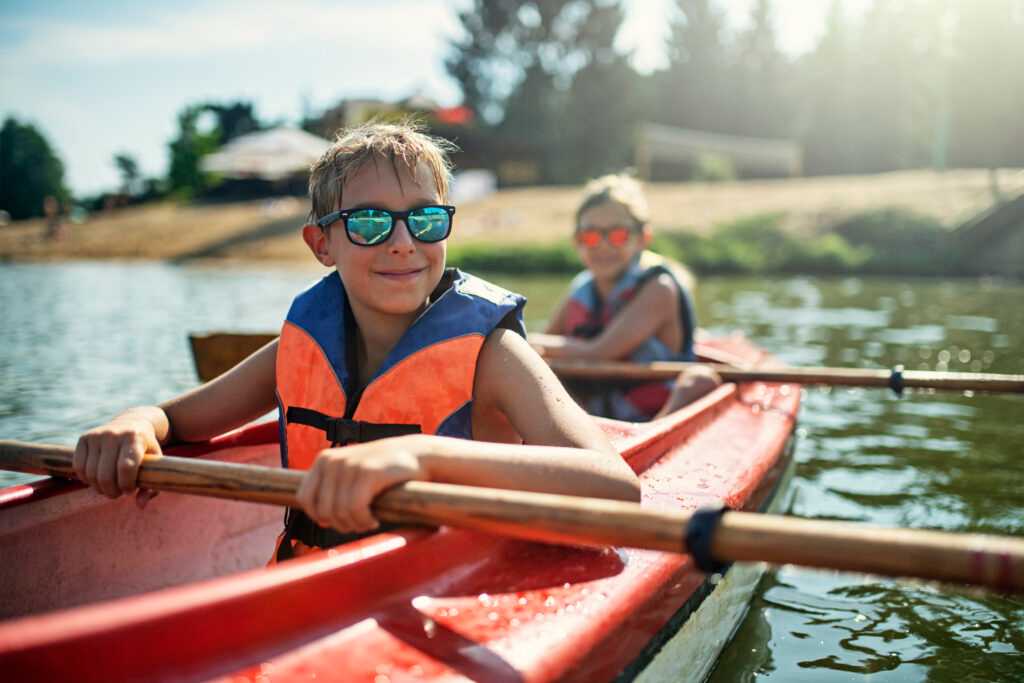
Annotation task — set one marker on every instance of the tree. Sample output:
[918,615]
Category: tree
[30,170]
[828,91]
[605,101]
[128,167]
[517,65]
[234,120]
[692,90]
[987,84]
[760,100]
[185,177]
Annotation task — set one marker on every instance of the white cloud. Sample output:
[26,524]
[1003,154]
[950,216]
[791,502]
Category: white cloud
[217,28]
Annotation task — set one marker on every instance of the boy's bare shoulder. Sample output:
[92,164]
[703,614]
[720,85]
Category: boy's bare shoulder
[658,290]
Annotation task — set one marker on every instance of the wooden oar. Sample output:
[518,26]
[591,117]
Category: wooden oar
[218,352]
[712,537]
[896,379]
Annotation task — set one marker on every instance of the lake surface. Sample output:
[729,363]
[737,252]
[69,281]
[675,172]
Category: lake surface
[81,341]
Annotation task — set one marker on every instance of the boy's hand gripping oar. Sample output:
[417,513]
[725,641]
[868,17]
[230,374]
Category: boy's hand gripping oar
[896,379]
[711,537]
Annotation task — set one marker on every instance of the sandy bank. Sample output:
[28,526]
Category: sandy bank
[268,230]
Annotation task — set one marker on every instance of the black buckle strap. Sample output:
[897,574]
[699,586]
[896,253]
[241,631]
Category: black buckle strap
[700,529]
[896,380]
[341,431]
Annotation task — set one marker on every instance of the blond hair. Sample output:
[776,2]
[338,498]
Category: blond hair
[402,143]
[615,188]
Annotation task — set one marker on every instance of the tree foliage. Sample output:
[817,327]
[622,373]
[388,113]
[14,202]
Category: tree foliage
[185,178]
[128,168]
[30,170]
[225,122]
[898,84]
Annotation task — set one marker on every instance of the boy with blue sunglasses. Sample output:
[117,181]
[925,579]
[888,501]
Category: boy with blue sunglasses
[382,362]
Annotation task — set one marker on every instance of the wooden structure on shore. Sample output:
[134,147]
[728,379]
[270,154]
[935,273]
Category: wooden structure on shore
[658,145]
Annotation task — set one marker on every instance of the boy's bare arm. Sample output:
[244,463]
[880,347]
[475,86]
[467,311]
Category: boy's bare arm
[565,452]
[238,396]
[108,457]
[654,306]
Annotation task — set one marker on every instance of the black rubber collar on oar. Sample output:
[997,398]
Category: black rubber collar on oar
[699,532]
[896,380]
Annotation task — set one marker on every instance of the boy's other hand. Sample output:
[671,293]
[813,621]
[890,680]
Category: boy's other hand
[108,457]
[339,488]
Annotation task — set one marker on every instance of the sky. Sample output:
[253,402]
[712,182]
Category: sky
[101,78]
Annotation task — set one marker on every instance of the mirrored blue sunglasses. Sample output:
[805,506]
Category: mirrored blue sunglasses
[368,227]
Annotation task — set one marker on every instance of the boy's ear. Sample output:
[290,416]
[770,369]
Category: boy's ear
[317,241]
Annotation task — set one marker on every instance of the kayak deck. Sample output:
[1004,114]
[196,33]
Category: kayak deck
[445,604]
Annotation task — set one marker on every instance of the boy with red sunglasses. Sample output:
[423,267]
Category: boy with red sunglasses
[382,362]
[629,304]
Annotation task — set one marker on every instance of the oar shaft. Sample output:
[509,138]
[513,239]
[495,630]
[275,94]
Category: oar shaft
[978,559]
[992,561]
[250,483]
[857,377]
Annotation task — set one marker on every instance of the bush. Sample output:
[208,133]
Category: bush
[887,241]
[517,259]
[713,168]
[899,242]
[759,244]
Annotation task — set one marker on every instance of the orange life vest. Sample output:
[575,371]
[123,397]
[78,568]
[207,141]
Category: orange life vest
[424,385]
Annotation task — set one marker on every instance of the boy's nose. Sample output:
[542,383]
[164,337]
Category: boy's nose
[401,239]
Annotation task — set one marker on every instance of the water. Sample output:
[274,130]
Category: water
[82,341]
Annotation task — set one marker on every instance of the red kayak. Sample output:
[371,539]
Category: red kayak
[95,590]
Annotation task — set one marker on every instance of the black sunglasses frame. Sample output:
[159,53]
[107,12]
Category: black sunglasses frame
[343,215]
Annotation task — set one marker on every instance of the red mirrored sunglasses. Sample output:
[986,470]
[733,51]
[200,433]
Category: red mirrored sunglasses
[591,237]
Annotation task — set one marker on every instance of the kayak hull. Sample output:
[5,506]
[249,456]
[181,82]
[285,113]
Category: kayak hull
[444,604]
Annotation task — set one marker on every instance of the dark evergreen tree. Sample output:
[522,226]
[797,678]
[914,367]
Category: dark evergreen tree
[692,90]
[30,171]
[761,96]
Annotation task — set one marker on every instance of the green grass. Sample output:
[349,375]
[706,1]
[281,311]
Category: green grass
[879,242]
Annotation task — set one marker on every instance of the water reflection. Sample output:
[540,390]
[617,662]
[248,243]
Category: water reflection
[930,459]
[81,341]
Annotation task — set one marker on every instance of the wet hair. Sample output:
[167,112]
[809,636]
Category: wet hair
[403,143]
[615,188]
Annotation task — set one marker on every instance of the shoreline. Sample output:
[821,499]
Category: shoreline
[528,229]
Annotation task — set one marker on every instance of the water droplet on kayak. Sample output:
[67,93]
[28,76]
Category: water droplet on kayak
[430,627]
[550,602]
[522,601]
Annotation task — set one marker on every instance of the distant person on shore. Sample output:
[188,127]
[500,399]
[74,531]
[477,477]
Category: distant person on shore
[630,304]
[55,229]
[390,352]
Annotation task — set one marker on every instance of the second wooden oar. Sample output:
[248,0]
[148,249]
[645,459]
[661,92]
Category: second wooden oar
[896,379]
[712,536]
[218,352]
